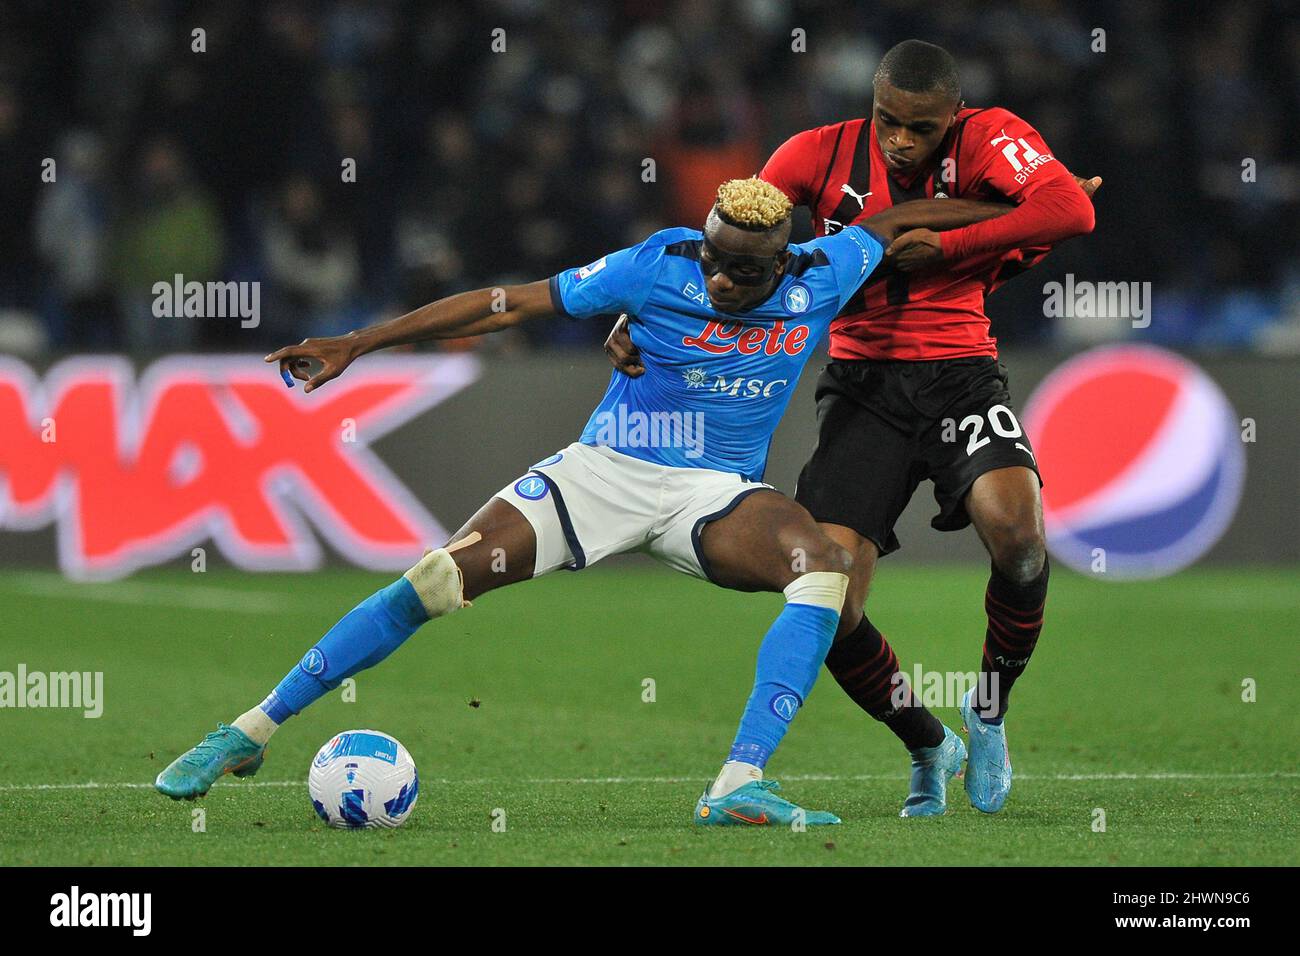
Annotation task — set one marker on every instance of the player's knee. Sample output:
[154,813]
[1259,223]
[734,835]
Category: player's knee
[840,559]
[822,554]
[1018,551]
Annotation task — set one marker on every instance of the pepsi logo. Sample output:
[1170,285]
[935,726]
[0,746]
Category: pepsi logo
[1141,459]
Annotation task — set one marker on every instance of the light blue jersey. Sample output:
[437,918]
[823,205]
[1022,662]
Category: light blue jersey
[716,383]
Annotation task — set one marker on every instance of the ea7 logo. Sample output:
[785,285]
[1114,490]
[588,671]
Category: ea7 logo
[214,447]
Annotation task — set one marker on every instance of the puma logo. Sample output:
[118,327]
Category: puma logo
[860,197]
[1004,138]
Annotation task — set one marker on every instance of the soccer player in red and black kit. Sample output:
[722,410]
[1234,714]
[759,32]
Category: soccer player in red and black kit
[914,389]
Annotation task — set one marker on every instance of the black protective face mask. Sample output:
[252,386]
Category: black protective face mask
[730,266]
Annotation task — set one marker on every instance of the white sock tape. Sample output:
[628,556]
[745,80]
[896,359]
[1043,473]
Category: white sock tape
[438,582]
[818,588]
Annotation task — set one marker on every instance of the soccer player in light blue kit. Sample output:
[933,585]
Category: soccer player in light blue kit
[670,463]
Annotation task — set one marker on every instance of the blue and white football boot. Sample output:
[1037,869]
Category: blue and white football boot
[932,768]
[988,771]
[226,750]
[756,805]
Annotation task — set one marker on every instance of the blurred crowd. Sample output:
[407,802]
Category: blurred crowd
[596,124]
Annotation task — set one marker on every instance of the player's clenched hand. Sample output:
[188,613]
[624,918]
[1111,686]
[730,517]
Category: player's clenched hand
[625,356]
[329,356]
[914,249]
[1089,186]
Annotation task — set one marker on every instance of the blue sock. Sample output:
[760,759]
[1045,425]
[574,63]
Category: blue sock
[362,638]
[789,658]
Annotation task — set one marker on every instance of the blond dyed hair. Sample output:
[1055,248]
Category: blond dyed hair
[752,204]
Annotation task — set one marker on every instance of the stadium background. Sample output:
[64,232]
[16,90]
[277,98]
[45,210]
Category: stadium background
[477,168]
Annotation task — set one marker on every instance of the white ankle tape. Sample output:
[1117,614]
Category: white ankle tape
[438,582]
[818,588]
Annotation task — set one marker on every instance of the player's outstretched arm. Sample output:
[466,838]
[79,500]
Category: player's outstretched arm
[457,316]
[912,228]
[934,214]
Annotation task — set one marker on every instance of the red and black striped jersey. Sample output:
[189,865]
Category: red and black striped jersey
[840,174]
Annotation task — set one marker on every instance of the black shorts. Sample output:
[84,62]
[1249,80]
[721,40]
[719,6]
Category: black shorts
[884,427]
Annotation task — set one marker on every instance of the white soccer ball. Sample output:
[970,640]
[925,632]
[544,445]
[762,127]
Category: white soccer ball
[363,778]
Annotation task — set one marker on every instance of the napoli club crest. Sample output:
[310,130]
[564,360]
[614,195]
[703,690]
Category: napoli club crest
[531,488]
[785,706]
[797,299]
[313,662]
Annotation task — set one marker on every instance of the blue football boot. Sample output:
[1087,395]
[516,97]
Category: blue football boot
[988,771]
[225,750]
[756,804]
[932,768]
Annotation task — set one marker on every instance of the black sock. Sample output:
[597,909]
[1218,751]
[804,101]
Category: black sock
[1015,619]
[866,668]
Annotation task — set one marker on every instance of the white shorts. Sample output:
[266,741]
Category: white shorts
[588,502]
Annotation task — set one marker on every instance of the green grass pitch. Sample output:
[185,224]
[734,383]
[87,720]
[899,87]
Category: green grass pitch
[1133,705]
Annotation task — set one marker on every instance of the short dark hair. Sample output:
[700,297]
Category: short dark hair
[920,67]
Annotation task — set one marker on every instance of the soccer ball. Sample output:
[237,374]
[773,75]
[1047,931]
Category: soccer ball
[363,778]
